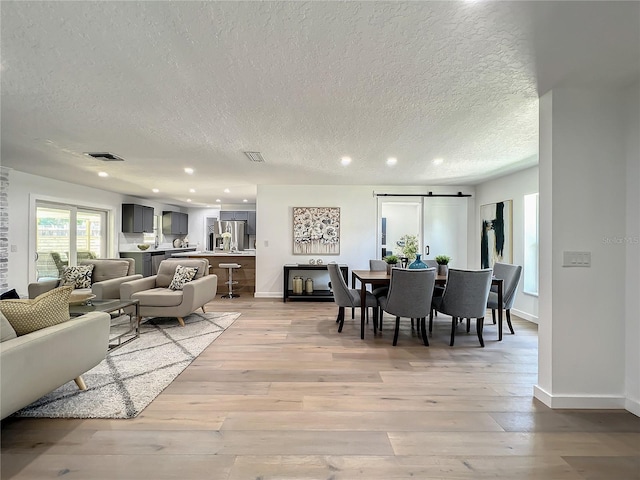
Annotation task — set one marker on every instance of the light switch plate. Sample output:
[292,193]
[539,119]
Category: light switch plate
[576,259]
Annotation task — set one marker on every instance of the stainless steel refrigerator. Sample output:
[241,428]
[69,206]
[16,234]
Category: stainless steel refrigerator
[237,229]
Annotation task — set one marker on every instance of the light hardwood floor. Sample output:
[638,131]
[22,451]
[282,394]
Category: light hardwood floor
[282,395]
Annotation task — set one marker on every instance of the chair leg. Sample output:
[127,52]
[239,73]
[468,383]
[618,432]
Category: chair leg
[454,322]
[479,325]
[423,327]
[202,307]
[431,321]
[468,325]
[412,324]
[340,319]
[375,320]
[493,315]
[395,335]
[508,314]
[181,321]
[380,317]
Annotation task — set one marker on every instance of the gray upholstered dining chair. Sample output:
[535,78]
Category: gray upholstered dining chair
[465,296]
[510,275]
[379,266]
[410,293]
[344,296]
[431,264]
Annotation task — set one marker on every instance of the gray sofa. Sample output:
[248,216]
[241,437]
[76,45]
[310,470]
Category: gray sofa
[34,364]
[108,275]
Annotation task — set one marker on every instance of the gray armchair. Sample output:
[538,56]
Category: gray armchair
[465,296]
[158,300]
[410,294]
[510,275]
[108,274]
[344,296]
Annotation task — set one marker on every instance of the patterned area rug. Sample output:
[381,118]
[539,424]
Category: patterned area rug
[123,384]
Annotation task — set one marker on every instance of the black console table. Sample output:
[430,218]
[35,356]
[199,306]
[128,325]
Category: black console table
[317,295]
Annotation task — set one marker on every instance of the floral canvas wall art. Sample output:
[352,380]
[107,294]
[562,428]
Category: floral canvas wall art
[316,230]
[496,235]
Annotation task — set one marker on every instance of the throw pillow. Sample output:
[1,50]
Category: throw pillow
[77,277]
[46,310]
[6,330]
[10,295]
[183,275]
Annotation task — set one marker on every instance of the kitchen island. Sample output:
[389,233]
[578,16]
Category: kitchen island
[245,275]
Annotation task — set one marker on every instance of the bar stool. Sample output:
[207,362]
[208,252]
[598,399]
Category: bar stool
[230,282]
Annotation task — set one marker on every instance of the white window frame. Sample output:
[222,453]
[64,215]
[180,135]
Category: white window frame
[35,199]
[531,245]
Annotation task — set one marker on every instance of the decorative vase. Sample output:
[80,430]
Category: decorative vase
[417,263]
[308,285]
[390,266]
[226,244]
[443,270]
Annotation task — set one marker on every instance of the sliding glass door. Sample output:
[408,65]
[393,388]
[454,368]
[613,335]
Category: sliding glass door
[66,235]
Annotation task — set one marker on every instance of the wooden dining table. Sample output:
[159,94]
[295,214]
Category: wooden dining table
[381,278]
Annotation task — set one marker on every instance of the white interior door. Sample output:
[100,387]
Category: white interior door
[445,229]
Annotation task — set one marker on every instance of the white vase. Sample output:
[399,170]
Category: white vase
[226,244]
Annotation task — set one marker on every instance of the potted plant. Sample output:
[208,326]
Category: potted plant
[392,261]
[443,264]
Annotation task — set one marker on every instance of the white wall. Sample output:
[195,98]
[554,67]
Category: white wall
[358,216]
[510,187]
[22,192]
[583,169]
[632,246]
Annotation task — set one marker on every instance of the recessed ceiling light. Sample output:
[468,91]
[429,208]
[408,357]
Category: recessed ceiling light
[103,174]
[438,161]
[218,200]
[188,199]
[244,200]
[155,190]
[392,161]
[345,161]
[226,190]
[192,190]
[188,170]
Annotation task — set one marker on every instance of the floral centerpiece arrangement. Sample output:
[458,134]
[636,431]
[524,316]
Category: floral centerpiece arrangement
[408,246]
[226,241]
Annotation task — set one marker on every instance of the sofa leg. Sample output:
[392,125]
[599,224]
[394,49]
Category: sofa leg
[202,307]
[80,383]
[181,321]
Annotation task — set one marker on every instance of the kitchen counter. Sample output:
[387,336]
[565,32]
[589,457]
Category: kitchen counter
[147,261]
[159,249]
[241,253]
[245,275]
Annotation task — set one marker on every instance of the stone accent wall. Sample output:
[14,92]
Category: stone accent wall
[4,228]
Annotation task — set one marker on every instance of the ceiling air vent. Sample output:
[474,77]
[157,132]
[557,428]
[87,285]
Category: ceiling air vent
[105,156]
[254,156]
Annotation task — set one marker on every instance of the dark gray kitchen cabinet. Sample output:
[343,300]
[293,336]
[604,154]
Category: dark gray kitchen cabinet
[251,223]
[137,218]
[230,215]
[175,223]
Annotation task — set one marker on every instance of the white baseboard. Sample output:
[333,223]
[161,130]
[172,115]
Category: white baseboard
[579,401]
[633,406]
[268,295]
[525,315]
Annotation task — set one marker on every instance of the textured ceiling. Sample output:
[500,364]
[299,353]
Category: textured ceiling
[168,85]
